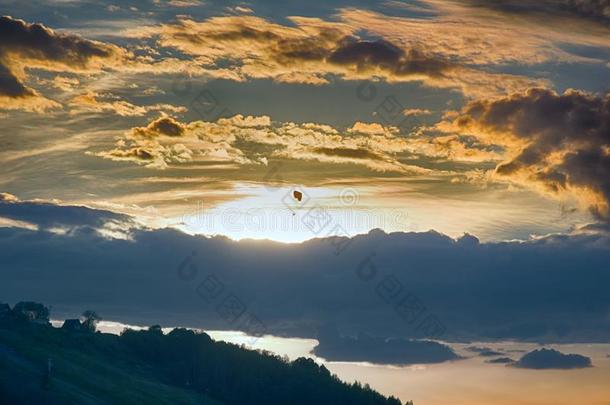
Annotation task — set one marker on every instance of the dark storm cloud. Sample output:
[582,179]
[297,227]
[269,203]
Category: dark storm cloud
[364,56]
[36,41]
[382,54]
[335,48]
[562,141]
[595,10]
[305,49]
[385,285]
[544,359]
[24,45]
[10,85]
[598,9]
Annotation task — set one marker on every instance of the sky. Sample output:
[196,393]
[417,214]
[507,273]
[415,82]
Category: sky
[390,179]
[488,118]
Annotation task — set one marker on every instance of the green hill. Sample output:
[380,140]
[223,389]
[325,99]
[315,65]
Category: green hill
[40,364]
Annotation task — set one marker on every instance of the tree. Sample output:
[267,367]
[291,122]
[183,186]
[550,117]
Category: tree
[90,320]
[31,311]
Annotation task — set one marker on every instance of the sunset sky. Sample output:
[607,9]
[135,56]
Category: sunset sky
[458,148]
[460,116]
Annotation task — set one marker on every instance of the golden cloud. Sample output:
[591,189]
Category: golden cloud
[248,140]
[25,46]
[413,112]
[90,102]
[556,143]
[484,35]
[313,51]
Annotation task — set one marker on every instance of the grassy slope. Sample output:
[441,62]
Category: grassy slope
[97,371]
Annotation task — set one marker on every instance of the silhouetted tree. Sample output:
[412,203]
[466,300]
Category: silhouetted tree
[191,360]
[90,320]
[31,311]
[236,375]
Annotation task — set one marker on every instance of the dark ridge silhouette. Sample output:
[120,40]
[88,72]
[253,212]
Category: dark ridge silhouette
[75,364]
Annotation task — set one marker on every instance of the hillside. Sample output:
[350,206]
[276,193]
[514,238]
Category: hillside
[43,364]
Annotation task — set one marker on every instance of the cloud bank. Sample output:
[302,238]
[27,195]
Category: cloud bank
[407,285]
[334,347]
[544,359]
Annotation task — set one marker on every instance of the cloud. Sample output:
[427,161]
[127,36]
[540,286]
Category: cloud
[251,140]
[371,129]
[165,141]
[25,46]
[240,10]
[46,216]
[347,153]
[406,285]
[183,3]
[484,351]
[334,347]
[558,143]
[382,55]
[595,10]
[314,51]
[500,360]
[7,197]
[65,83]
[15,95]
[164,126]
[486,35]
[412,112]
[544,359]
[455,148]
[92,102]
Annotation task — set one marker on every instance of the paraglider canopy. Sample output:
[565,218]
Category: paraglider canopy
[297,195]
